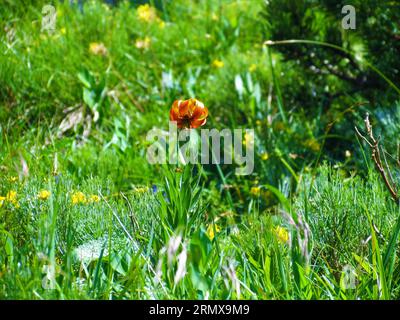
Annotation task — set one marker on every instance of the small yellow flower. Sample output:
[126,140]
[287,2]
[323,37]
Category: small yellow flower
[253,67]
[78,197]
[63,31]
[44,194]
[98,48]
[161,24]
[147,13]
[255,191]
[141,190]
[217,64]
[143,43]
[94,198]
[210,230]
[13,179]
[264,156]
[248,139]
[281,234]
[12,198]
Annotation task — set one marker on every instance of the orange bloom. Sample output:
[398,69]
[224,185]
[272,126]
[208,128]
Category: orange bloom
[188,113]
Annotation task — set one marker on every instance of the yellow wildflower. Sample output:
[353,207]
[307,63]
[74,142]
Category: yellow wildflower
[255,191]
[147,13]
[141,190]
[12,198]
[78,197]
[13,179]
[143,43]
[210,230]
[253,67]
[248,139]
[281,234]
[44,194]
[63,31]
[94,198]
[264,156]
[217,64]
[161,24]
[98,48]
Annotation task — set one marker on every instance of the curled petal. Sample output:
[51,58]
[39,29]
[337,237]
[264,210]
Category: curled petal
[174,114]
[184,109]
[200,113]
[197,123]
[192,106]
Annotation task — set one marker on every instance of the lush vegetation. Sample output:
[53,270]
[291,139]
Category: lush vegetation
[83,215]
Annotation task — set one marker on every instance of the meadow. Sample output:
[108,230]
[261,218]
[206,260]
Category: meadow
[84,215]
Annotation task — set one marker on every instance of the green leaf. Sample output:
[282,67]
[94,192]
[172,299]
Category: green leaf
[89,97]
[86,78]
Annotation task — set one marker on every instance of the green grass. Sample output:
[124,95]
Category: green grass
[120,247]
[72,121]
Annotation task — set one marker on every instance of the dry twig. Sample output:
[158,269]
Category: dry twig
[376,157]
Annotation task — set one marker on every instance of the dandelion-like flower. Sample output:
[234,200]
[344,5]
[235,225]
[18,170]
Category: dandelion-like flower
[281,234]
[140,190]
[11,195]
[12,198]
[264,156]
[147,13]
[253,67]
[44,194]
[210,231]
[189,113]
[94,198]
[255,191]
[78,198]
[217,64]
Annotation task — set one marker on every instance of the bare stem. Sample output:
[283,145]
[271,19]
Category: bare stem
[376,157]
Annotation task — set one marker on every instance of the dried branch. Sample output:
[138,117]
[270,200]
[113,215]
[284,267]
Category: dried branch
[376,157]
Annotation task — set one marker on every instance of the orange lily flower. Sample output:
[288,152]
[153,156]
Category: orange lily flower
[189,113]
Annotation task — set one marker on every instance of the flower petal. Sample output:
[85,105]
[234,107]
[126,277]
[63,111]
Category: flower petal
[197,123]
[184,109]
[174,114]
[200,113]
